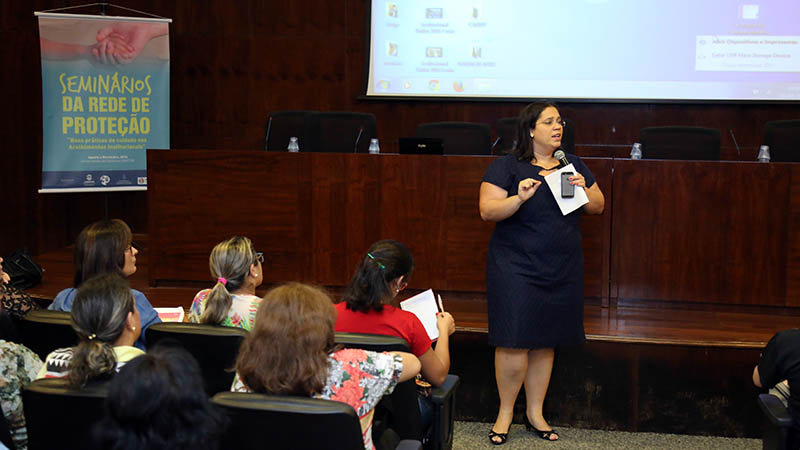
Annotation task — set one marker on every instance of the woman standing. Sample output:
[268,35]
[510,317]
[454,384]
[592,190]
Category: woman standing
[534,268]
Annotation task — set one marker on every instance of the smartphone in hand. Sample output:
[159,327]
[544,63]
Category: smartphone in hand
[567,188]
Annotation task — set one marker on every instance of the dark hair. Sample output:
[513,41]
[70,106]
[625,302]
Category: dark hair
[287,350]
[230,259]
[99,314]
[369,288]
[157,402]
[527,121]
[100,249]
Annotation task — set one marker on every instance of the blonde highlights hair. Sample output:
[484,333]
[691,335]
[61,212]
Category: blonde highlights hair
[230,259]
[287,350]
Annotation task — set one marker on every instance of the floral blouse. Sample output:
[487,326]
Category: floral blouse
[242,313]
[358,378]
[18,367]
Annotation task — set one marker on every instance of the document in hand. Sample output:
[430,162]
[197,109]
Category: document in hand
[567,205]
[423,305]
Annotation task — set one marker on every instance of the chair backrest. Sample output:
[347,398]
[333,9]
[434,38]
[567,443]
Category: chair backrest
[281,125]
[43,331]
[57,416]
[214,347]
[400,409]
[459,138]
[783,138]
[507,132]
[337,132]
[260,421]
[678,142]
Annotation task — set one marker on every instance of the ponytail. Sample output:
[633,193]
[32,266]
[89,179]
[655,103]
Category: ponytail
[229,264]
[99,315]
[370,286]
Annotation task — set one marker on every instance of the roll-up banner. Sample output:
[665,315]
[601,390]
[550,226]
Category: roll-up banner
[105,100]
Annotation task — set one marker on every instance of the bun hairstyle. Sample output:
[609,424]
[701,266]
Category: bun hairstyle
[370,286]
[287,350]
[99,315]
[100,249]
[527,121]
[229,263]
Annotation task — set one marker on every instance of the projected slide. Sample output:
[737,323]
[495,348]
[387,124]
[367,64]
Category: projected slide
[586,49]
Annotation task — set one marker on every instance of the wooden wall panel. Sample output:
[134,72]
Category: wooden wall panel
[233,62]
[700,231]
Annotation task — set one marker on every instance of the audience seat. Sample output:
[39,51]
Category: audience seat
[400,411]
[275,422]
[214,347]
[679,142]
[281,125]
[60,417]
[338,132]
[459,138]
[43,331]
[783,138]
[778,434]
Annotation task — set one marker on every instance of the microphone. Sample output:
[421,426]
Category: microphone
[266,139]
[561,157]
[491,149]
[730,130]
[360,132]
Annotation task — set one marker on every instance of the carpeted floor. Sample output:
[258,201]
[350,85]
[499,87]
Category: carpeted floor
[474,435]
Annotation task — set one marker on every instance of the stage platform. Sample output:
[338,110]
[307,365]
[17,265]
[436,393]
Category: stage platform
[663,367]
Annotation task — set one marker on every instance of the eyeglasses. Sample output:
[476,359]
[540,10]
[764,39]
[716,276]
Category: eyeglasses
[551,121]
[260,257]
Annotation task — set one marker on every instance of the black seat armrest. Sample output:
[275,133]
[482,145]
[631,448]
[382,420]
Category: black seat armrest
[408,444]
[775,410]
[440,394]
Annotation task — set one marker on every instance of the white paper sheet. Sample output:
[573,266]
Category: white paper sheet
[567,205]
[423,305]
[170,314]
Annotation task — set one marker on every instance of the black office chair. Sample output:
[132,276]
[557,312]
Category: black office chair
[43,331]
[58,416]
[214,347]
[778,432]
[507,133]
[281,125]
[678,142]
[339,132]
[279,422]
[400,411]
[783,138]
[459,138]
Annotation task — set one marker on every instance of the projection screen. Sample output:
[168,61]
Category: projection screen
[618,50]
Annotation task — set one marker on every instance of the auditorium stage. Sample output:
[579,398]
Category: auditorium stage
[662,367]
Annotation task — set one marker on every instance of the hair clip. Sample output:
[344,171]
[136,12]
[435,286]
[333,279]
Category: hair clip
[376,261]
[222,280]
[91,336]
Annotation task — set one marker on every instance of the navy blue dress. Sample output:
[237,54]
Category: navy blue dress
[534,269]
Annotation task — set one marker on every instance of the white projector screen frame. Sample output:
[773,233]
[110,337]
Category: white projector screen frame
[585,50]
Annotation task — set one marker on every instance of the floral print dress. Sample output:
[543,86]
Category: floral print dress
[242,313]
[358,378]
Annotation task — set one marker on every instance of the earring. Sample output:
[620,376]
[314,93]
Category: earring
[133,328]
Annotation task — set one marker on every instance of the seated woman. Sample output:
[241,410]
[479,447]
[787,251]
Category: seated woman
[16,303]
[291,351]
[18,368]
[157,401]
[370,306]
[106,247]
[106,320]
[232,302]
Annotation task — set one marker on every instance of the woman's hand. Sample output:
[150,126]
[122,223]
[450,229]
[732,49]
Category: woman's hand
[445,323]
[578,180]
[527,188]
[4,278]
